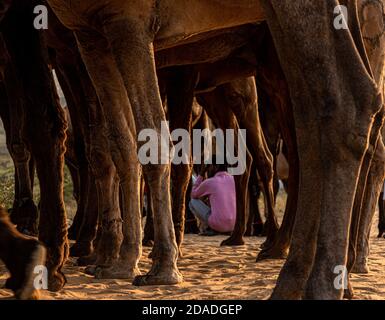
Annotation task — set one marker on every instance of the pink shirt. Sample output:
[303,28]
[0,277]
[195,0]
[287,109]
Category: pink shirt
[221,192]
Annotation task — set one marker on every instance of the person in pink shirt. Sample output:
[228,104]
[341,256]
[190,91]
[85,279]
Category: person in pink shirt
[219,187]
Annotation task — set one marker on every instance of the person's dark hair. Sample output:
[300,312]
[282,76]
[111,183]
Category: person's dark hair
[220,164]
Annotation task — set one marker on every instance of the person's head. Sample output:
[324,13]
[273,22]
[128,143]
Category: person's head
[215,167]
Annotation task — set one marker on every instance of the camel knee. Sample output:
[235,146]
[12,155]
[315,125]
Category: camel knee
[101,164]
[156,174]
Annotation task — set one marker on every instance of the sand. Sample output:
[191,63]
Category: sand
[210,272]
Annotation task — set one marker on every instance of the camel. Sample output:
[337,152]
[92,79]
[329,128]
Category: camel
[231,39]
[123,35]
[39,103]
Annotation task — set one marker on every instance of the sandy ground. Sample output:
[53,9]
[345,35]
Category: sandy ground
[210,272]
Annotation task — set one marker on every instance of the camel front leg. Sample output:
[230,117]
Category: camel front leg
[132,48]
[120,132]
[333,120]
[271,80]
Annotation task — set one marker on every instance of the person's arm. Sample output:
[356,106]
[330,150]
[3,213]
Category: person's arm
[201,188]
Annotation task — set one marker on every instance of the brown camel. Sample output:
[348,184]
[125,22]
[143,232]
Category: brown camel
[231,39]
[122,36]
[44,121]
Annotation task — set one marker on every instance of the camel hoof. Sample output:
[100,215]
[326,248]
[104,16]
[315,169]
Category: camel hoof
[232,242]
[272,254]
[158,279]
[116,272]
[56,282]
[81,249]
[360,269]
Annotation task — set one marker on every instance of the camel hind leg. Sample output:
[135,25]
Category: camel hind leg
[220,111]
[180,93]
[381,212]
[244,103]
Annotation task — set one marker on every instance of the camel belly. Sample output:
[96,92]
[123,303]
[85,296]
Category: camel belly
[189,19]
[179,21]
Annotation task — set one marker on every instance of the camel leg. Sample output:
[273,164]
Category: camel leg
[134,55]
[46,124]
[115,107]
[372,190]
[255,225]
[280,247]
[272,84]
[331,143]
[100,199]
[75,143]
[244,104]
[191,224]
[148,239]
[73,230]
[180,94]
[257,222]
[219,109]
[75,81]
[361,216]
[24,211]
[381,212]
